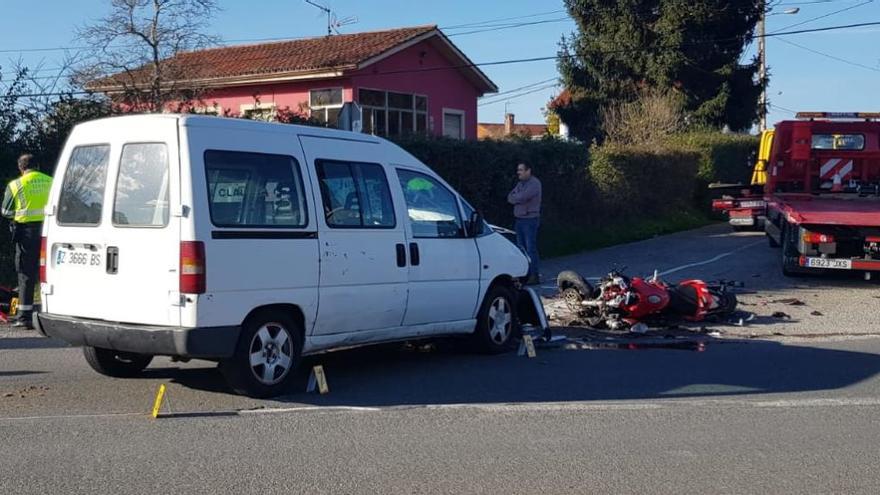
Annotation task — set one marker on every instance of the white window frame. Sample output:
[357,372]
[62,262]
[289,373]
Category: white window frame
[387,109]
[453,111]
[204,110]
[324,108]
[259,106]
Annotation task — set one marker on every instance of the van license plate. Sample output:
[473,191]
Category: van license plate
[836,264]
[77,258]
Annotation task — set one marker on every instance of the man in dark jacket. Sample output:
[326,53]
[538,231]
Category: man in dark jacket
[526,201]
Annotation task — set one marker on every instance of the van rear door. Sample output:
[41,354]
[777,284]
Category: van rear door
[113,243]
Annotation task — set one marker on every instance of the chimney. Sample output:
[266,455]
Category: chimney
[508,124]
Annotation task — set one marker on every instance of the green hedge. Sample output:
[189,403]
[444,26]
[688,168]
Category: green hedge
[485,171]
[592,197]
[643,183]
[725,158]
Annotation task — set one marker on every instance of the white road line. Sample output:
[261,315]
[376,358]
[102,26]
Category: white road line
[73,416]
[281,410]
[711,260]
[524,407]
[685,267]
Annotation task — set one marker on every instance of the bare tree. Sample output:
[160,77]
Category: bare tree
[651,117]
[133,49]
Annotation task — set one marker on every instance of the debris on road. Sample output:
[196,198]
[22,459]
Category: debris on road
[817,313]
[790,301]
[780,314]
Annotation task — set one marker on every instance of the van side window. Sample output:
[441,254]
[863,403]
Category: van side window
[82,191]
[255,190]
[433,209]
[355,195]
[142,186]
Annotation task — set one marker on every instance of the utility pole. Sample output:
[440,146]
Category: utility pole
[762,70]
[762,57]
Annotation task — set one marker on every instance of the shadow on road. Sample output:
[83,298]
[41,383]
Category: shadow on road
[395,376]
[20,373]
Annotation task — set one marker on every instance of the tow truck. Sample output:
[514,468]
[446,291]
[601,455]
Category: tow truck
[823,192]
[748,210]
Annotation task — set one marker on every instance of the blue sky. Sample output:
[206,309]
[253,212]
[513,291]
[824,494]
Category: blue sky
[801,79]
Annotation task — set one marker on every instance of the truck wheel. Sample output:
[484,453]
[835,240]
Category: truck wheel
[497,323]
[266,357]
[116,363]
[790,267]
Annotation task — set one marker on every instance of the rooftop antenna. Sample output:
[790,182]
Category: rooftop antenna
[333,23]
[326,11]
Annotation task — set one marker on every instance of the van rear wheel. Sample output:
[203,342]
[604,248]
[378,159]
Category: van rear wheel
[266,357]
[497,322]
[116,363]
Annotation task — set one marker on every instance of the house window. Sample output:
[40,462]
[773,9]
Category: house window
[453,123]
[214,110]
[259,111]
[388,113]
[325,105]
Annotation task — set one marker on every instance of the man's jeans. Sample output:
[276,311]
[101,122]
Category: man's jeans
[527,238]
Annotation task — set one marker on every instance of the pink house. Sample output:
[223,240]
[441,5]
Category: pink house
[406,80]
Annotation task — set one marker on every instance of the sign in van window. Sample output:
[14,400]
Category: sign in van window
[82,190]
[142,186]
[254,190]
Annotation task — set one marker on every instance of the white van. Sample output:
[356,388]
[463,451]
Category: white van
[253,244]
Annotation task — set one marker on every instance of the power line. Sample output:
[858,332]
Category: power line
[480,23]
[827,15]
[511,26]
[527,86]
[541,88]
[773,105]
[531,59]
[813,2]
[832,57]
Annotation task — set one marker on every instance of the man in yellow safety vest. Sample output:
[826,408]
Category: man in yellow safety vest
[23,203]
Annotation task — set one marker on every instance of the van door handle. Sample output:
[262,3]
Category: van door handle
[401,255]
[414,254]
[112,260]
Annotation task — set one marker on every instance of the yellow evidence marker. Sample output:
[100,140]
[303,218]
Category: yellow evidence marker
[527,347]
[157,405]
[318,380]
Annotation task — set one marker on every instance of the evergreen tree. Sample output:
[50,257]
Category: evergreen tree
[692,48]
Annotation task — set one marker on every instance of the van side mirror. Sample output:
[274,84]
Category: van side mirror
[475,224]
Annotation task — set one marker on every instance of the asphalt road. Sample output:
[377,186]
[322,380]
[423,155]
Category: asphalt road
[747,415]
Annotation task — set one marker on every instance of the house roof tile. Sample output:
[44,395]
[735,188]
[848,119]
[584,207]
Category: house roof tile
[307,55]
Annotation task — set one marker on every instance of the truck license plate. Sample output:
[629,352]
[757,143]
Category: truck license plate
[836,264]
[742,221]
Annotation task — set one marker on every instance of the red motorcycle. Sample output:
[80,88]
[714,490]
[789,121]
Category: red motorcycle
[619,302]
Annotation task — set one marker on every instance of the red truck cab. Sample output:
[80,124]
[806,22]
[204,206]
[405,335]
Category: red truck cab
[823,192]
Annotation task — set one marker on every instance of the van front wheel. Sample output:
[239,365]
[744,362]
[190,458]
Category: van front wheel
[116,363]
[497,323]
[266,357]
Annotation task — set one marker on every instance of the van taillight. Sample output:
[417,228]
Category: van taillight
[192,267]
[43,244]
